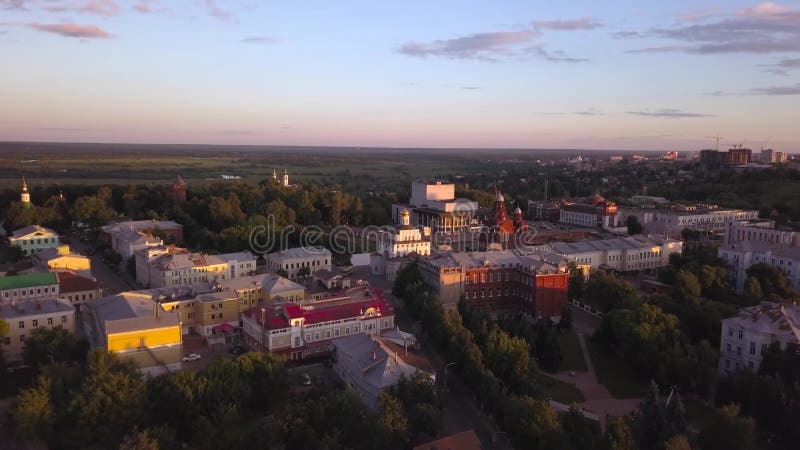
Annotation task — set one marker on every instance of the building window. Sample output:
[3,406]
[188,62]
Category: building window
[741,334]
[752,348]
[63,319]
[49,320]
[21,325]
[729,349]
[738,351]
[34,323]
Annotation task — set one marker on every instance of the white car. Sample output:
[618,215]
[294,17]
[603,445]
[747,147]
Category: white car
[191,357]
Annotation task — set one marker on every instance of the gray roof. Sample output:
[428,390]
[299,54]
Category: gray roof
[764,247]
[238,256]
[269,282]
[770,318]
[368,356]
[25,308]
[31,229]
[300,252]
[135,310]
[138,225]
[625,243]
[539,261]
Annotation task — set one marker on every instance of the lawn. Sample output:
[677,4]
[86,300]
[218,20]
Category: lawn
[571,353]
[560,391]
[615,374]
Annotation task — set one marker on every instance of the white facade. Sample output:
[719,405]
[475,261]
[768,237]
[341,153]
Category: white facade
[745,337]
[127,243]
[671,222]
[240,264]
[34,238]
[403,240]
[170,266]
[25,316]
[621,254]
[760,231]
[740,256]
[578,218]
[424,193]
[14,288]
[295,260]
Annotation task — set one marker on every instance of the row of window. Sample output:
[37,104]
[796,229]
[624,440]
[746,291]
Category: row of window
[750,365]
[492,293]
[37,241]
[35,322]
[30,292]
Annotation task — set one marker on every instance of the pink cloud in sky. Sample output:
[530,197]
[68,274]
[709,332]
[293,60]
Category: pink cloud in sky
[72,30]
[97,7]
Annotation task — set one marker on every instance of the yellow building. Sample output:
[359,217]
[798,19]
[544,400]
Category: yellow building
[62,258]
[136,326]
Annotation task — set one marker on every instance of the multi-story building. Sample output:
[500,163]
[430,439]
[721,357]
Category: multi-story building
[61,258]
[369,366]
[33,238]
[24,316]
[499,282]
[402,240]
[761,230]
[746,336]
[735,156]
[127,242]
[591,212]
[547,210]
[628,254]
[240,264]
[770,156]
[136,327]
[14,288]
[174,266]
[173,231]
[77,289]
[741,255]
[670,221]
[299,261]
[433,204]
[306,331]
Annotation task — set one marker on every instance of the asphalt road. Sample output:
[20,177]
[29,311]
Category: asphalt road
[110,282]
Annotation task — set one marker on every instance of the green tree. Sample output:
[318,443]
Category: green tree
[752,289]
[547,348]
[607,292]
[634,227]
[392,420]
[582,433]
[677,442]
[566,318]
[92,211]
[728,431]
[48,345]
[577,282]
[507,356]
[772,280]
[139,441]
[34,414]
[619,435]
[687,286]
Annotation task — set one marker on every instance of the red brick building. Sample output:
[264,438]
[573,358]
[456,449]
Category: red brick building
[501,282]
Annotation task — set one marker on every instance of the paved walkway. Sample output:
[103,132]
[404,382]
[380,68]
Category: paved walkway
[598,398]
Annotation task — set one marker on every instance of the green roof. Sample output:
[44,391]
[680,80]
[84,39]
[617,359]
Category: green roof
[32,280]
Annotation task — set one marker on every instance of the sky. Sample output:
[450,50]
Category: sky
[578,74]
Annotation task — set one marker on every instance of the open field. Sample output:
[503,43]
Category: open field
[560,391]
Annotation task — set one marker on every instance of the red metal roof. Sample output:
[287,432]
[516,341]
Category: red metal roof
[71,282]
[278,316]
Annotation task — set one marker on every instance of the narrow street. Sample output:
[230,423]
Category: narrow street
[110,282]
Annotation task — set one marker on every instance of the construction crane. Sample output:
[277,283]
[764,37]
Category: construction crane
[716,138]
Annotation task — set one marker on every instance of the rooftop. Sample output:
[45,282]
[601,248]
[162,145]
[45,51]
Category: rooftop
[139,225]
[379,365]
[129,311]
[300,252]
[770,318]
[33,307]
[30,229]
[277,316]
[69,282]
[625,243]
[764,247]
[466,440]
[180,258]
[238,256]
[24,281]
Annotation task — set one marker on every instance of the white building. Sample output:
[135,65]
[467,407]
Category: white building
[240,264]
[672,221]
[770,156]
[741,255]
[173,266]
[369,367]
[33,238]
[403,240]
[434,205]
[300,260]
[626,254]
[760,230]
[300,332]
[127,242]
[25,316]
[746,336]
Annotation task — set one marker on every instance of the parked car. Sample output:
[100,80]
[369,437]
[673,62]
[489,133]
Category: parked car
[306,379]
[191,357]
